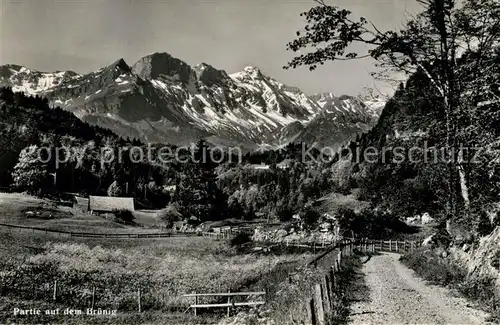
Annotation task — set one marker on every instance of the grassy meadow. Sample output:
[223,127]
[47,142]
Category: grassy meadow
[115,269]
[14,209]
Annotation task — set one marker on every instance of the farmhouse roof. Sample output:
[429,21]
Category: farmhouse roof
[108,204]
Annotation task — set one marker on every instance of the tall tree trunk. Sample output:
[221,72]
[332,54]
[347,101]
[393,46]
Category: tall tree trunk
[464,189]
[450,157]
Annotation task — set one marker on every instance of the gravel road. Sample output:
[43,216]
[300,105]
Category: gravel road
[398,296]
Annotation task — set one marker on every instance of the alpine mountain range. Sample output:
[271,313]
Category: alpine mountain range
[161,98]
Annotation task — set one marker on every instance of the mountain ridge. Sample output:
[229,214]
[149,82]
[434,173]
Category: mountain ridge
[161,98]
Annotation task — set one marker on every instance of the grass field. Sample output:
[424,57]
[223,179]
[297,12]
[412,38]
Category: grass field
[13,208]
[163,269]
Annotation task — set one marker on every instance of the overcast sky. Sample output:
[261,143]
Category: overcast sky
[85,35]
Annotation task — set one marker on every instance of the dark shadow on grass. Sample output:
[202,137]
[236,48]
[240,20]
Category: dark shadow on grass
[363,313]
[353,288]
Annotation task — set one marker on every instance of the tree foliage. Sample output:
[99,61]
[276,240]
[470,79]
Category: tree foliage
[30,173]
[454,47]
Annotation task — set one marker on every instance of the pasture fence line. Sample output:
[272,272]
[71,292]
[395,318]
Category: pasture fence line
[57,292]
[92,234]
[217,235]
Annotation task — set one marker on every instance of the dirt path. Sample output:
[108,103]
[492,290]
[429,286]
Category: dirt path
[398,296]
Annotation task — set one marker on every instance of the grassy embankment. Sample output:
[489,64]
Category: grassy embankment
[290,289]
[441,271]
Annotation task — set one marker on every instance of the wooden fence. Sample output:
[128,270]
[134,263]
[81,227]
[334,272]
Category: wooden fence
[55,293]
[231,303]
[319,244]
[14,228]
[217,235]
[396,246]
[324,303]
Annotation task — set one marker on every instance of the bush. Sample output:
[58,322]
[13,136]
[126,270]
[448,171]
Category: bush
[435,269]
[169,215]
[240,239]
[372,224]
[115,189]
[284,213]
[124,216]
[310,217]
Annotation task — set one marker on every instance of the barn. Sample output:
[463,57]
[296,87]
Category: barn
[106,204]
[82,203]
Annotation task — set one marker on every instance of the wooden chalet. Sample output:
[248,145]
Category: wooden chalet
[106,204]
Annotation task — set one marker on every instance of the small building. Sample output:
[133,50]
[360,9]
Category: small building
[106,204]
[225,229]
[82,204]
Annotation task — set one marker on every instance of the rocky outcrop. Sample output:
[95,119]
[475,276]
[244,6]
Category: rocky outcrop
[481,259]
[292,235]
[163,65]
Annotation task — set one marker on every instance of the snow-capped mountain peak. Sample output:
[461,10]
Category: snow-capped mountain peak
[31,81]
[162,99]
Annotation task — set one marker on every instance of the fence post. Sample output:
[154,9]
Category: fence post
[390,246]
[139,300]
[55,290]
[311,314]
[33,288]
[93,297]
[333,288]
[228,301]
[195,302]
[326,295]
[319,305]
[397,248]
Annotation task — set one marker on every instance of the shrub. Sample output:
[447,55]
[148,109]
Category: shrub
[482,224]
[240,239]
[310,218]
[124,216]
[115,189]
[435,269]
[284,213]
[373,224]
[169,215]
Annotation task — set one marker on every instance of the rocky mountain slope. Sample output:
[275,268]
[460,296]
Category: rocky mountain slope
[162,99]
